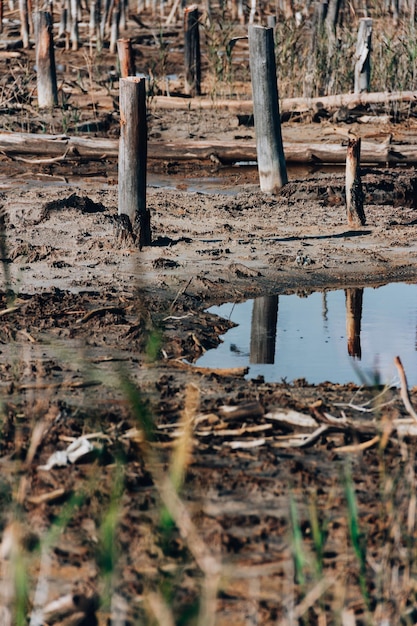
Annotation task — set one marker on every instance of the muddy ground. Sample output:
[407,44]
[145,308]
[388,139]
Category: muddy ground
[98,340]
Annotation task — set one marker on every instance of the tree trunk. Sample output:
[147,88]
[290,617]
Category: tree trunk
[354,193]
[363,56]
[192,51]
[45,61]
[133,157]
[126,58]
[271,160]
[24,22]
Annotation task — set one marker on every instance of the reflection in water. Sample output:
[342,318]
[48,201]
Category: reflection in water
[354,298]
[322,336]
[263,330]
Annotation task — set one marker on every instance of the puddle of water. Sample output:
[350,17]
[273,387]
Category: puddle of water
[339,336]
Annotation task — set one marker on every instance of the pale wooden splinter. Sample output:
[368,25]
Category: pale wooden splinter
[354,193]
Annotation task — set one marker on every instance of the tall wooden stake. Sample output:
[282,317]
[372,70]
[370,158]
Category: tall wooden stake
[354,194]
[45,60]
[363,56]
[24,22]
[270,153]
[192,58]
[132,158]
[126,57]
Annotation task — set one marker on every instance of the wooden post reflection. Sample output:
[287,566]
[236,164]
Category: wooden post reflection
[354,299]
[263,329]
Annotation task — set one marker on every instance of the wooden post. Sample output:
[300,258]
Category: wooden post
[270,153]
[45,60]
[24,22]
[354,193]
[1,15]
[114,31]
[132,158]
[354,298]
[263,329]
[331,25]
[94,25]
[75,36]
[126,57]
[192,58]
[363,56]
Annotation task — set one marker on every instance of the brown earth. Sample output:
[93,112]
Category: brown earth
[96,339]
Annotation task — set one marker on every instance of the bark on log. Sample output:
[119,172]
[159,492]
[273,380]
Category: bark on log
[289,105]
[299,153]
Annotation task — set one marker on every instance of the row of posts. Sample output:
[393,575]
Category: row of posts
[133,125]
[270,154]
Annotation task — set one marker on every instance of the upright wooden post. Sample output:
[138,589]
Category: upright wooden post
[270,153]
[331,25]
[24,22]
[132,158]
[354,298]
[45,60]
[75,36]
[94,25]
[354,193]
[363,56]
[192,58]
[126,57]
[114,30]
[263,329]
[1,15]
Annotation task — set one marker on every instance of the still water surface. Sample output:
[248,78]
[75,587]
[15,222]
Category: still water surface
[341,336]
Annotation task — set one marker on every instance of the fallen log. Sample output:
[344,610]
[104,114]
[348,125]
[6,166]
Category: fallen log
[220,152]
[287,105]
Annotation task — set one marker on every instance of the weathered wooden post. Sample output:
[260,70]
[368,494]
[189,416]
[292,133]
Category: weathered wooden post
[263,329]
[270,153]
[354,193]
[114,30]
[192,57]
[24,22]
[126,57]
[94,24]
[132,159]
[75,35]
[363,56]
[45,60]
[354,298]
[331,24]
